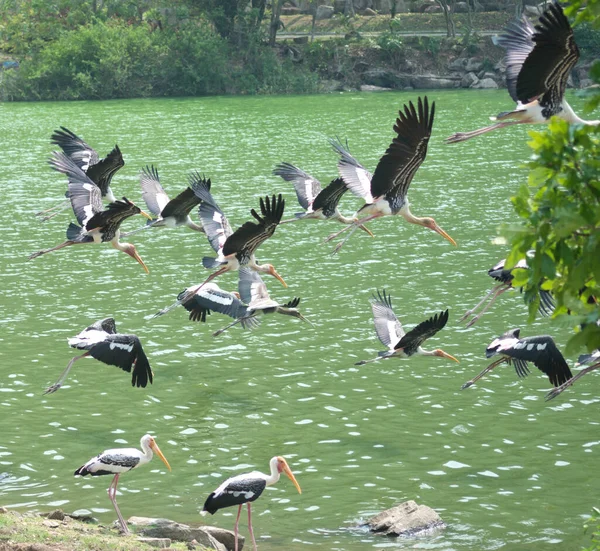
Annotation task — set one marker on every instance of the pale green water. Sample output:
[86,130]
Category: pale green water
[503,468]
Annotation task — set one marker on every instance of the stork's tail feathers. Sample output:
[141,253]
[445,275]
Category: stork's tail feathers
[75,232]
[209,262]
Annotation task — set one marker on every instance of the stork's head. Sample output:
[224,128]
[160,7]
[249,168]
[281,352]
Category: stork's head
[432,225]
[132,251]
[270,269]
[148,441]
[283,467]
[442,354]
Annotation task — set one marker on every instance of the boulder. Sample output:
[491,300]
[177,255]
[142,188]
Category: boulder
[486,84]
[160,543]
[330,85]
[290,10]
[469,80]
[434,9]
[206,540]
[461,7]
[371,88]
[406,519]
[385,78]
[434,82]
[225,537]
[473,65]
[458,64]
[586,83]
[324,12]
[368,12]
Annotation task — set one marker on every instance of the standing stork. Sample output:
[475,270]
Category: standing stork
[538,63]
[385,193]
[97,225]
[505,278]
[391,333]
[103,343]
[120,460]
[235,249]
[318,203]
[170,213]
[540,350]
[99,171]
[246,488]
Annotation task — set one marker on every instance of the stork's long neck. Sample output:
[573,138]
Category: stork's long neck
[410,217]
[341,218]
[275,474]
[148,453]
[571,117]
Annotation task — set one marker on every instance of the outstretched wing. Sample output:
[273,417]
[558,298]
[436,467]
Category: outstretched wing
[75,148]
[329,198]
[153,194]
[102,172]
[406,153]
[211,297]
[307,188]
[245,240]
[213,219]
[387,326]
[419,334]
[356,177]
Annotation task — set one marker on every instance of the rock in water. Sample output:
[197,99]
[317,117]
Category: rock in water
[406,519]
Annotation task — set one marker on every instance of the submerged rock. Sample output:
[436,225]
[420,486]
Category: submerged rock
[406,519]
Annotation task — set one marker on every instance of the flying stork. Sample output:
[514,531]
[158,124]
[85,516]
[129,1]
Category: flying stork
[400,343]
[505,278]
[170,213]
[385,192]
[100,171]
[318,203]
[246,488]
[103,343]
[235,249]
[97,225]
[538,63]
[540,350]
[120,460]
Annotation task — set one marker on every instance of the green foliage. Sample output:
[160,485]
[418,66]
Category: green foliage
[594,523]
[391,46]
[588,40]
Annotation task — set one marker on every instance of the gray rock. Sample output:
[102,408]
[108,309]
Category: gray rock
[461,7]
[57,514]
[226,537]
[583,83]
[434,82]
[458,64]
[324,12]
[385,78]
[330,85]
[488,74]
[160,528]
[473,65]
[468,80]
[371,88]
[206,540]
[434,9]
[160,543]
[3,510]
[406,519]
[290,10]
[486,84]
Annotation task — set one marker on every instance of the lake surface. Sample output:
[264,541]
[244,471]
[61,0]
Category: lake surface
[502,467]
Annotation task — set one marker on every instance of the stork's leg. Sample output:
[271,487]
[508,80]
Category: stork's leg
[250,525]
[556,391]
[44,251]
[222,330]
[64,374]
[112,494]
[463,136]
[487,306]
[486,370]
[474,309]
[54,210]
[235,528]
[352,227]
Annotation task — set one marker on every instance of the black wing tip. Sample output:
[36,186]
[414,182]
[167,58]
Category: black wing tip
[382,297]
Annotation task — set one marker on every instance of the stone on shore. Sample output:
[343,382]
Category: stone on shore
[160,543]
[486,84]
[406,519]
[434,82]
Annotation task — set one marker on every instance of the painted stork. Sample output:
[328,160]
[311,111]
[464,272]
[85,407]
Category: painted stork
[318,203]
[539,350]
[391,333]
[246,488]
[385,193]
[538,63]
[103,343]
[235,249]
[99,171]
[170,213]
[120,460]
[97,225]
[505,278]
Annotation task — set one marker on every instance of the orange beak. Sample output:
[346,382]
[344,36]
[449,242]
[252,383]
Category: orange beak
[290,475]
[443,354]
[134,254]
[276,275]
[156,449]
[439,230]
[145,215]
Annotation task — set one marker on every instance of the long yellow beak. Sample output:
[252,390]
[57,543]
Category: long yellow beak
[449,356]
[291,476]
[444,234]
[156,449]
[276,275]
[145,215]
[135,255]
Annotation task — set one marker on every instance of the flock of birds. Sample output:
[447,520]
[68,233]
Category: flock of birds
[538,60]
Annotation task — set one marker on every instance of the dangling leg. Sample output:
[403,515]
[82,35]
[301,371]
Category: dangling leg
[55,208]
[462,136]
[556,391]
[64,374]
[486,370]
[235,528]
[250,525]
[474,309]
[353,228]
[217,333]
[112,494]
[493,299]
[44,251]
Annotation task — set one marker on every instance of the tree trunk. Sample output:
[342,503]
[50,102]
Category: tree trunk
[349,8]
[313,10]
[276,6]
[259,5]
[450,29]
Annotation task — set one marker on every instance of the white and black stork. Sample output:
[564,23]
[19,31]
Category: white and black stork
[97,225]
[170,213]
[385,192]
[400,343]
[235,249]
[538,63]
[593,359]
[540,350]
[120,460]
[318,203]
[505,278]
[246,488]
[103,343]
[99,171]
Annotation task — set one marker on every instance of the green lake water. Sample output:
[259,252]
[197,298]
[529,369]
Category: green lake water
[503,468]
